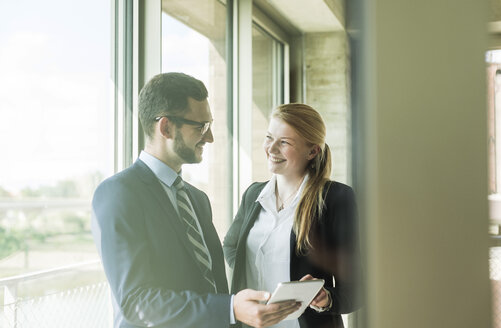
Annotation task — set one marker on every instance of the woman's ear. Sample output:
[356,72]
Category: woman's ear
[315,149]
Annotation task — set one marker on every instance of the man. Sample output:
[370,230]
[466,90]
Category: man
[159,248]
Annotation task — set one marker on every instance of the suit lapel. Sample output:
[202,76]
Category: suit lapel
[204,215]
[201,213]
[158,193]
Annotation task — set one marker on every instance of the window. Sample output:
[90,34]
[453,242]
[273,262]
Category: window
[67,121]
[267,93]
[493,60]
[194,42]
[56,139]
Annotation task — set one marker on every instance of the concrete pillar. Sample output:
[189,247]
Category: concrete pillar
[326,68]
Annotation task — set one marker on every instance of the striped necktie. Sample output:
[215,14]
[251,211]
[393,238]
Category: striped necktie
[194,235]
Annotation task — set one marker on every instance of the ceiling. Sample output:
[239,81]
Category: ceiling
[302,16]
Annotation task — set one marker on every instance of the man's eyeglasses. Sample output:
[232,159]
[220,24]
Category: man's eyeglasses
[202,126]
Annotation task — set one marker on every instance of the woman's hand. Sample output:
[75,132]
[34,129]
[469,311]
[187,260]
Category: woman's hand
[322,299]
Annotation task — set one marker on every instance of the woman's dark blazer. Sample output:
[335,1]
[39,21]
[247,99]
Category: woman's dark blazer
[334,236]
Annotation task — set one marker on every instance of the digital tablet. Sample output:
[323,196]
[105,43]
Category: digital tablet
[300,291]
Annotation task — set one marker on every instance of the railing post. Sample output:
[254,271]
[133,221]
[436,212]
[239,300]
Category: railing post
[9,302]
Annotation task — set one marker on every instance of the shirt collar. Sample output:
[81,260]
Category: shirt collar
[268,190]
[267,196]
[161,170]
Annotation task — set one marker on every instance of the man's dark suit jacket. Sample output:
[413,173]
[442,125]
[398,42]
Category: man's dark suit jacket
[335,238]
[147,258]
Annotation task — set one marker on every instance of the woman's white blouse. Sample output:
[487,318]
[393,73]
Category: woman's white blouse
[268,244]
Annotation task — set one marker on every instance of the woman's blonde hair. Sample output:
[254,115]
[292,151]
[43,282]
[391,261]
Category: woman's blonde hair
[310,126]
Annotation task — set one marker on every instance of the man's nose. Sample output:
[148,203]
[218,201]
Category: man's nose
[208,136]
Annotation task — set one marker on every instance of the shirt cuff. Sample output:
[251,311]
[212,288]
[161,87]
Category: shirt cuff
[232,312]
[323,309]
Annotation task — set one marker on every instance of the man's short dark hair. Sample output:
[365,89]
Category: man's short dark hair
[167,94]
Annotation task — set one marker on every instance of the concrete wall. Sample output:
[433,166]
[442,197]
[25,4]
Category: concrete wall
[326,75]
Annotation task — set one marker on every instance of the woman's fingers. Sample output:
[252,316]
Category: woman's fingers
[307,277]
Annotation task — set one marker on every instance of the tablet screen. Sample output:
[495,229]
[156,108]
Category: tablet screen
[301,291]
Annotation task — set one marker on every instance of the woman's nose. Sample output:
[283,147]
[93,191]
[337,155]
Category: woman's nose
[273,147]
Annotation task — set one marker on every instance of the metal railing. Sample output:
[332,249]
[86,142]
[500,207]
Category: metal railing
[51,203]
[78,306]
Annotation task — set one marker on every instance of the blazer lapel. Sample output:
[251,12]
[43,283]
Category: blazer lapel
[202,211]
[156,189]
[204,215]
[249,220]
[252,213]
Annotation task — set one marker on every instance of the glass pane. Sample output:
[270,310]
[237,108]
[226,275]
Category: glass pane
[194,42]
[493,59]
[56,140]
[267,82]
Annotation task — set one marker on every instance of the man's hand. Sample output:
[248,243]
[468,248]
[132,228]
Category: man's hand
[248,310]
[322,299]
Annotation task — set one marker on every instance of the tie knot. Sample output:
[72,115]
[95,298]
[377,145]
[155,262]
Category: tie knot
[179,184]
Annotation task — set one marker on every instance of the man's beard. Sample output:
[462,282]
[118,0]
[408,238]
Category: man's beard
[183,151]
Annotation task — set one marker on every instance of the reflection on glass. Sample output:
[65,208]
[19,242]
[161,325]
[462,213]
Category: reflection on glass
[194,42]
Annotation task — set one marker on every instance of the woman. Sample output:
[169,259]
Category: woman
[299,224]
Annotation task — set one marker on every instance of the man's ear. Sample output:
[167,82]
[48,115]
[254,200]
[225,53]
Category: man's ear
[166,128]
[315,149]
